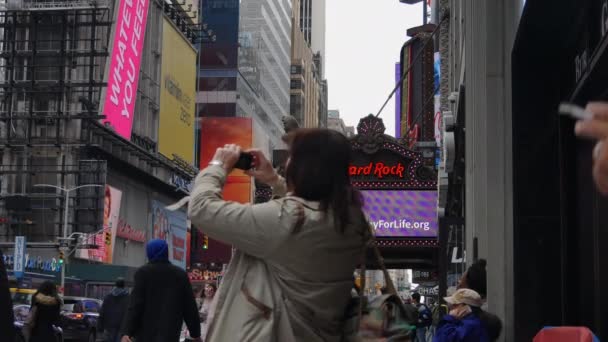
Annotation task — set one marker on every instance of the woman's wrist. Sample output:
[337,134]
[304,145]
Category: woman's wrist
[275,180]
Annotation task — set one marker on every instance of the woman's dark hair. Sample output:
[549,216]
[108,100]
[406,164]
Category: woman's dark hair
[47,288]
[491,322]
[476,277]
[318,171]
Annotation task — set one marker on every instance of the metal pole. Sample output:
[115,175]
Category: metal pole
[424,12]
[65,235]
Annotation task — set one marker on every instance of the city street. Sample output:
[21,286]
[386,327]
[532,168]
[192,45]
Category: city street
[303,170]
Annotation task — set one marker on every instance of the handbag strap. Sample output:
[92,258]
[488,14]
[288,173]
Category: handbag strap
[380,260]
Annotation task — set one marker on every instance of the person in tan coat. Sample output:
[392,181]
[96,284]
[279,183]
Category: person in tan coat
[291,276]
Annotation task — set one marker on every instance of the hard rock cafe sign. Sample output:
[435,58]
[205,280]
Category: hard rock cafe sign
[379,170]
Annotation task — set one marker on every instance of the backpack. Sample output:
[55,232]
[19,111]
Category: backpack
[425,316]
[438,312]
[382,317]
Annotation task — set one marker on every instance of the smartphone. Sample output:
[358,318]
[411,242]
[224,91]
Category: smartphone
[245,161]
[574,111]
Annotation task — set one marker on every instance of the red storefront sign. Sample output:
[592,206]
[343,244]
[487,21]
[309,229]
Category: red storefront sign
[378,170]
[200,275]
[125,231]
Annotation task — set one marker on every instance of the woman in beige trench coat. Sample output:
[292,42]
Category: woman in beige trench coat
[291,277]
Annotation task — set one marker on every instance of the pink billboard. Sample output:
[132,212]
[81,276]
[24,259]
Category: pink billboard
[125,61]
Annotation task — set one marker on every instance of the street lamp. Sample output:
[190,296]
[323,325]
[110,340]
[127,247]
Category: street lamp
[62,247]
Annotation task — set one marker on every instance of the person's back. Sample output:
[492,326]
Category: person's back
[161,300]
[317,279]
[46,306]
[291,276]
[113,310]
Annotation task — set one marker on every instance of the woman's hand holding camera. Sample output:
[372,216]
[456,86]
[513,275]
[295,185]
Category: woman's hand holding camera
[261,170]
[227,156]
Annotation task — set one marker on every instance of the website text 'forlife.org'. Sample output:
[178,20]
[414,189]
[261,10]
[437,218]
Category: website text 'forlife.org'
[400,224]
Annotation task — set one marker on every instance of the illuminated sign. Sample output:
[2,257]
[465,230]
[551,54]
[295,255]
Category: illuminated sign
[379,170]
[401,213]
[125,62]
[198,274]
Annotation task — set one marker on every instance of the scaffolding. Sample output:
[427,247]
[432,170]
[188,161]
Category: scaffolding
[52,61]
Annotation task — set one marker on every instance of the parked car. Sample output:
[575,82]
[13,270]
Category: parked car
[79,318]
[21,312]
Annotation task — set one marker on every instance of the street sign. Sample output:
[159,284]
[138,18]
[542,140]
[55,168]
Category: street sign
[19,257]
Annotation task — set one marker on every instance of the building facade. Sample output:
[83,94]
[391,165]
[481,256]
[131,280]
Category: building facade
[306,83]
[337,124]
[264,61]
[79,110]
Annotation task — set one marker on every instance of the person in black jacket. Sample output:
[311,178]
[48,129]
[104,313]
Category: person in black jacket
[161,300]
[113,311]
[45,310]
[6,305]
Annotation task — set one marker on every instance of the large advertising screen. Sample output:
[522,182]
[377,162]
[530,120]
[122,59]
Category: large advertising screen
[177,96]
[171,226]
[125,61]
[217,132]
[107,239]
[402,213]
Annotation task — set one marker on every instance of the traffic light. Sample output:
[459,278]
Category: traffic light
[108,238]
[61,257]
[205,242]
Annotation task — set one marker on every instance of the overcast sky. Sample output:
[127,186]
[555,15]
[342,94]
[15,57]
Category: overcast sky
[363,41]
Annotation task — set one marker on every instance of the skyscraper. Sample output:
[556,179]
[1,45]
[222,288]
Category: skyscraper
[264,60]
[312,23]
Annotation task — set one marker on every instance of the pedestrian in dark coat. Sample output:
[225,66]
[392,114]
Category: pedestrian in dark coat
[45,309]
[161,300]
[6,305]
[112,313]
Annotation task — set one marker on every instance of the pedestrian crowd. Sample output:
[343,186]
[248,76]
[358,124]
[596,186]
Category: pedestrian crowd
[292,274]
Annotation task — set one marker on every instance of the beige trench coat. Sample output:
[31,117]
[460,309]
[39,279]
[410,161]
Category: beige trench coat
[291,277]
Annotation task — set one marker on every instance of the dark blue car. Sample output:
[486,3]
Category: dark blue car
[79,318]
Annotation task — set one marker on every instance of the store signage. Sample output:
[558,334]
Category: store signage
[423,276]
[198,274]
[178,245]
[34,263]
[180,183]
[19,256]
[428,290]
[378,170]
[125,62]
[125,231]
[456,259]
